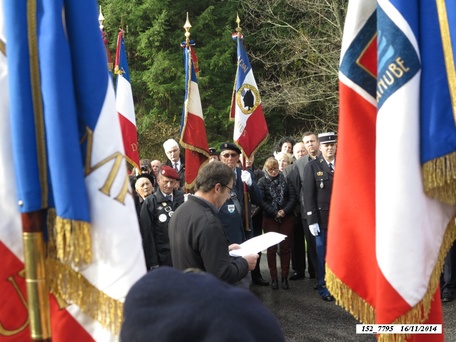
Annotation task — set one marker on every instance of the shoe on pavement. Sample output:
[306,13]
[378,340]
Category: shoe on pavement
[260,281]
[328,298]
[447,298]
[297,276]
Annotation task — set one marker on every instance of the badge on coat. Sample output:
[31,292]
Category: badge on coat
[162,218]
[320,173]
[231,208]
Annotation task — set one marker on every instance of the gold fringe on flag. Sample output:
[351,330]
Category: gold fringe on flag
[71,287]
[365,313]
[70,241]
[439,178]
[348,299]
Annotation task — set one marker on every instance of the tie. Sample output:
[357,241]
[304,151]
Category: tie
[169,198]
[331,167]
[175,167]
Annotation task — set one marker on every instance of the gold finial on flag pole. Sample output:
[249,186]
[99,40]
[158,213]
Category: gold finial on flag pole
[187,28]
[238,28]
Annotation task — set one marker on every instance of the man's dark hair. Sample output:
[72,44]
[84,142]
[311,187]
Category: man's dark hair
[211,174]
[306,134]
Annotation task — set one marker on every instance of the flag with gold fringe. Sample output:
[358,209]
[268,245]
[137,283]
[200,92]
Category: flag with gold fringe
[64,149]
[387,238]
[124,103]
[193,130]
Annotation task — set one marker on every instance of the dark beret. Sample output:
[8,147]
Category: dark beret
[169,305]
[169,172]
[212,151]
[229,146]
[145,175]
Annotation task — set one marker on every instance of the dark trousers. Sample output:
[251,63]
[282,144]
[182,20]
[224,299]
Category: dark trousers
[449,274]
[257,226]
[321,255]
[311,250]
[298,248]
[283,227]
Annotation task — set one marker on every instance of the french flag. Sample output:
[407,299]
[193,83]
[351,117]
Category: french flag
[193,130]
[387,238]
[124,103]
[61,140]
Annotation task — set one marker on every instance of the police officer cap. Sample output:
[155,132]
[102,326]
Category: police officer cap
[169,172]
[327,138]
[212,151]
[229,146]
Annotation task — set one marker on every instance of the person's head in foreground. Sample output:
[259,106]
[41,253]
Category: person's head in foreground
[170,305]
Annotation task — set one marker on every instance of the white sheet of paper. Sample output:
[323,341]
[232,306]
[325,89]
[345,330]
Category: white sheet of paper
[258,244]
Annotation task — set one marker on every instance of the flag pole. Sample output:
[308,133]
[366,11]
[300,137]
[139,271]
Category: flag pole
[37,291]
[246,192]
[101,20]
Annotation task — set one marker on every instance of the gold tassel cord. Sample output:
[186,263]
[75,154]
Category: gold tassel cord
[71,287]
[439,177]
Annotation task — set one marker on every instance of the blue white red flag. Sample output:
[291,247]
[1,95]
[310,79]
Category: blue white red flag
[124,103]
[193,131]
[250,128]
[65,141]
[383,221]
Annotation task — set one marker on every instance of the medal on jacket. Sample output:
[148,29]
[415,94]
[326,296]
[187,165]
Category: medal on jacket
[162,218]
[321,184]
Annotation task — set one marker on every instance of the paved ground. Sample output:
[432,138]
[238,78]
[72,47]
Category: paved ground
[305,317]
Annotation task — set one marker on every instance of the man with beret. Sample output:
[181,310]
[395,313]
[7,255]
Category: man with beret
[144,187]
[232,213]
[175,159]
[197,236]
[318,181]
[155,214]
[213,154]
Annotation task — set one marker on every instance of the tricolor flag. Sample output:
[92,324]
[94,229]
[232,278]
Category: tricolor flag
[387,239]
[62,153]
[193,131]
[250,128]
[124,103]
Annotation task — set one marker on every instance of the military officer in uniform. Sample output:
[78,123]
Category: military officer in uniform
[318,180]
[156,212]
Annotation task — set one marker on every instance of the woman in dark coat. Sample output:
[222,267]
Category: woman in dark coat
[279,199]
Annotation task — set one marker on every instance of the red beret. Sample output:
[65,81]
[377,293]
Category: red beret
[169,172]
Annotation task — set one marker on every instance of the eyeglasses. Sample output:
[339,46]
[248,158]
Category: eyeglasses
[272,169]
[226,186]
[227,155]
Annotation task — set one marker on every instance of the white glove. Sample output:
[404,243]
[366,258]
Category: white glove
[314,229]
[246,177]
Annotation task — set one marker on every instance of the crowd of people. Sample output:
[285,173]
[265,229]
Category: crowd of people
[233,202]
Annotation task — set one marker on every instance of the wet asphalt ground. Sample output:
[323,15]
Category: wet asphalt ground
[304,316]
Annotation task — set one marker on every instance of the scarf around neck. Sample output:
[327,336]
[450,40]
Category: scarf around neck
[277,187]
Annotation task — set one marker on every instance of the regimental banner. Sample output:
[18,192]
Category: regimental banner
[62,145]
[250,127]
[387,227]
